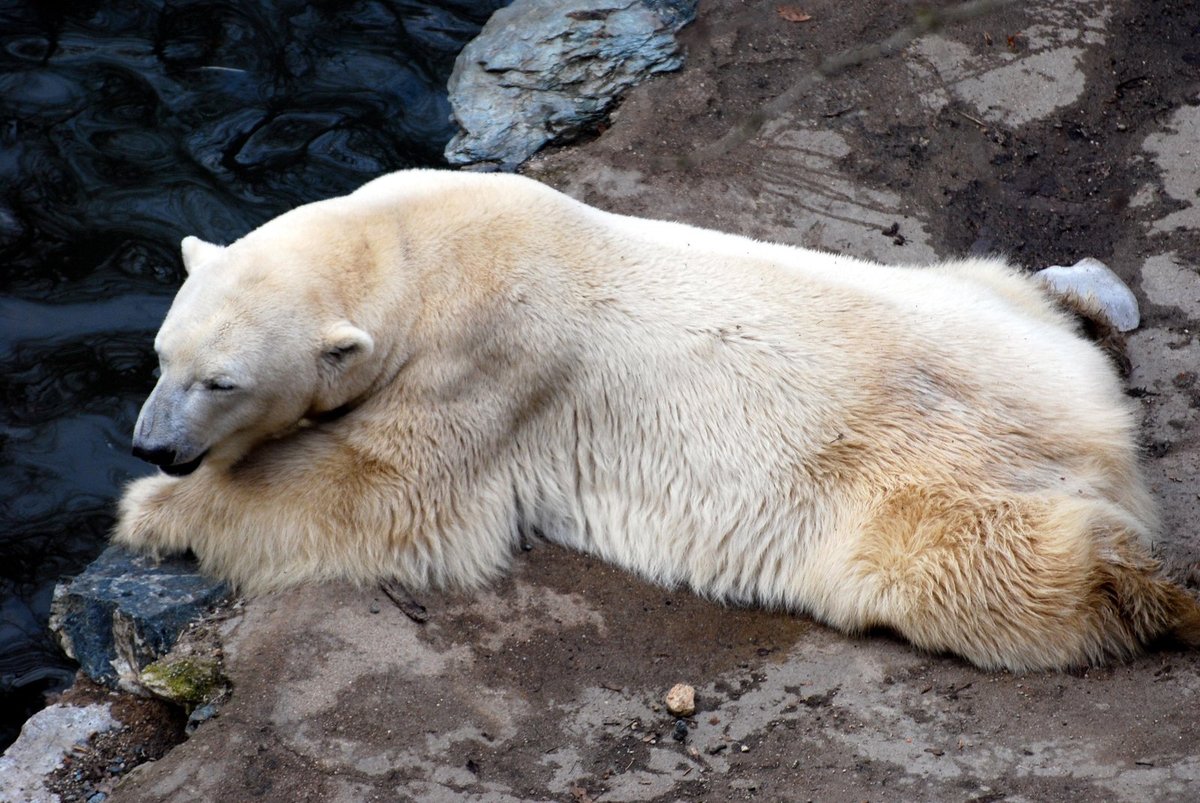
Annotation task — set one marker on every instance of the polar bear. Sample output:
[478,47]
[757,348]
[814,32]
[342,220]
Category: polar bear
[396,383]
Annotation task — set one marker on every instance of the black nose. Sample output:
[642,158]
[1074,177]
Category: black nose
[158,457]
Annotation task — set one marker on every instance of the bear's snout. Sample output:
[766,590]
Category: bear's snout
[166,458]
[157,456]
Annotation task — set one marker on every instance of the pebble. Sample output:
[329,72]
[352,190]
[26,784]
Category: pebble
[99,797]
[200,715]
[374,606]
[680,733]
[681,700]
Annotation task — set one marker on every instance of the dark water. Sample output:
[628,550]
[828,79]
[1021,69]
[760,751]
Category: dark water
[123,127]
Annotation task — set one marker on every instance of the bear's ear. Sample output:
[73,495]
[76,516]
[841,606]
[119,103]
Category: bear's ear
[345,344]
[196,252]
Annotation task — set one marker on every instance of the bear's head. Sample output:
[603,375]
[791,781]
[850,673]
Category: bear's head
[257,340]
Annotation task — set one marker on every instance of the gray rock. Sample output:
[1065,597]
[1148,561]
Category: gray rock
[545,70]
[1092,279]
[125,611]
[45,739]
[198,717]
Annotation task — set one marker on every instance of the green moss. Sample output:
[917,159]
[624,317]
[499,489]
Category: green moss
[187,681]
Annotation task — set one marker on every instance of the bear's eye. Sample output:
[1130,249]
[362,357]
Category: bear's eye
[219,385]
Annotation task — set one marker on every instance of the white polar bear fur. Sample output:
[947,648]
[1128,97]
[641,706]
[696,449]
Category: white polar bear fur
[932,450]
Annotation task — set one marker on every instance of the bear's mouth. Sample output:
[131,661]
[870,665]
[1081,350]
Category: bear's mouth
[183,469]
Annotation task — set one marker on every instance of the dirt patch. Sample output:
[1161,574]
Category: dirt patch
[149,729]
[1056,190]
[1049,191]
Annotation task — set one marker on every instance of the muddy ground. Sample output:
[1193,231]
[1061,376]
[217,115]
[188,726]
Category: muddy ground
[1048,131]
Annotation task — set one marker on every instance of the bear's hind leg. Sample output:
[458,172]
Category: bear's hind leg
[1019,582]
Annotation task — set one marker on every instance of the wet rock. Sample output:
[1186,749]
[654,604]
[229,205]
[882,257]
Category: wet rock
[545,70]
[1093,280]
[124,612]
[681,700]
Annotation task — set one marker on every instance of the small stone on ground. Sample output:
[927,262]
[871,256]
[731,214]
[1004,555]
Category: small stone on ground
[681,700]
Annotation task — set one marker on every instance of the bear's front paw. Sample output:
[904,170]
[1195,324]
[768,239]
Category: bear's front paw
[140,523]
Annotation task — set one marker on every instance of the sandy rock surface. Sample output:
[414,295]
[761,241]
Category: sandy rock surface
[1050,131]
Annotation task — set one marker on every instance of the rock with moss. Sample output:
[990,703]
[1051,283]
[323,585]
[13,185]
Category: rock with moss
[124,612]
[186,680]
